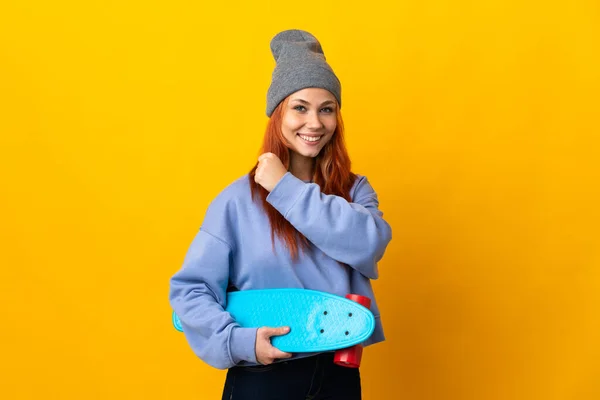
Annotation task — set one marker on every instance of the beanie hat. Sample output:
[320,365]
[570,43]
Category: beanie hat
[300,64]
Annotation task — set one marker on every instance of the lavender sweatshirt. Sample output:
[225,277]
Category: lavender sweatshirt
[233,249]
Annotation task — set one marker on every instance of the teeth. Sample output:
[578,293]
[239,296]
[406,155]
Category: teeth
[311,139]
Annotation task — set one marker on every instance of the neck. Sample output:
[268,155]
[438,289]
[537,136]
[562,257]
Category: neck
[302,167]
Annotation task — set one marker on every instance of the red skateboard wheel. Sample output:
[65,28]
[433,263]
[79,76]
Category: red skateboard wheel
[362,300]
[351,356]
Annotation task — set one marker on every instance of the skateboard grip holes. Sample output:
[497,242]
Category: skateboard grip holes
[322,330]
[347,333]
[349,314]
[324,312]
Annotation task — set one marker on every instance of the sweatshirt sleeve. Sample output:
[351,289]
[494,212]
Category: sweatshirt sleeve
[198,297]
[353,233]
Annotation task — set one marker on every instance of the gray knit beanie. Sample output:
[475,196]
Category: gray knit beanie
[300,64]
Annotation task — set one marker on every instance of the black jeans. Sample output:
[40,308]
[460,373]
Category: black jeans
[311,378]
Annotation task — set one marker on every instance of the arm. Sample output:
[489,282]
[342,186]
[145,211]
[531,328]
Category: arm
[198,297]
[353,233]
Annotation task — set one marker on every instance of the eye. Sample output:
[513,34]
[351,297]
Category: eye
[327,110]
[300,108]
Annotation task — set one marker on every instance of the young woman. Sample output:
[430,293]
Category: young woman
[299,219]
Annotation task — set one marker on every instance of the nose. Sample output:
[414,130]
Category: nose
[313,121]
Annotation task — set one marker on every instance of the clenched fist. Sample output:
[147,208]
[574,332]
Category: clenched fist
[269,171]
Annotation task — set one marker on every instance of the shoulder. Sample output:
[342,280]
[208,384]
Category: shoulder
[231,195]
[222,211]
[238,190]
[360,184]
[362,191]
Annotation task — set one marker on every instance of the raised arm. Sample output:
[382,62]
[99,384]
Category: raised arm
[353,233]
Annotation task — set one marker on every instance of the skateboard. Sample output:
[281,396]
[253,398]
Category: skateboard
[318,321]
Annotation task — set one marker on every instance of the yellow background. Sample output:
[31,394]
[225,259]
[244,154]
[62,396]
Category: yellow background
[476,122]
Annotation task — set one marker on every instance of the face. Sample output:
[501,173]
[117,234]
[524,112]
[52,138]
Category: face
[309,120]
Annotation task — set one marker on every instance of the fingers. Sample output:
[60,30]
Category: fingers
[261,163]
[272,354]
[268,332]
[265,156]
[278,354]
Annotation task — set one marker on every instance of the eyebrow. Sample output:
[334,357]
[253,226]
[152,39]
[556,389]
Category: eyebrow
[325,103]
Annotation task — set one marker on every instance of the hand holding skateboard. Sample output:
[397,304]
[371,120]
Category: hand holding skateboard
[266,353]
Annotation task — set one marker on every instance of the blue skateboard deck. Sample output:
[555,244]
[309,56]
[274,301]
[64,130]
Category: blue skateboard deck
[318,321]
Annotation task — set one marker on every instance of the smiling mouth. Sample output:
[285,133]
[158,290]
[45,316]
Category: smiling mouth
[310,139]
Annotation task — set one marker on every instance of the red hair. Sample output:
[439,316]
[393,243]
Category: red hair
[332,173]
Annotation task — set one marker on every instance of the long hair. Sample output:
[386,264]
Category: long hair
[332,173]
